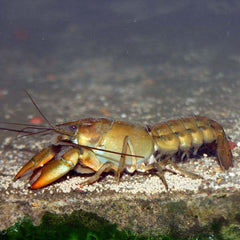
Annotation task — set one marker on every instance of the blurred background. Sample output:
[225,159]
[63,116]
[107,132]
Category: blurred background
[143,61]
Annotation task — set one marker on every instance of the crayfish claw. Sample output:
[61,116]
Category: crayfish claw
[38,160]
[29,165]
[55,169]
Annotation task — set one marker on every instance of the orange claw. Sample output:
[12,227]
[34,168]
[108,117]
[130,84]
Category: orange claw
[55,169]
[38,160]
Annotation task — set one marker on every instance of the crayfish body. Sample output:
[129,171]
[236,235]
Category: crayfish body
[102,145]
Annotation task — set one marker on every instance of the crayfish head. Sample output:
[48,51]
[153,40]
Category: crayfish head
[92,130]
[88,132]
[68,131]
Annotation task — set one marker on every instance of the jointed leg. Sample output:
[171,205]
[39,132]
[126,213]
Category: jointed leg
[106,167]
[158,165]
[189,174]
[89,160]
[160,171]
[122,159]
[121,165]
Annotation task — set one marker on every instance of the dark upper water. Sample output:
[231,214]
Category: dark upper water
[140,60]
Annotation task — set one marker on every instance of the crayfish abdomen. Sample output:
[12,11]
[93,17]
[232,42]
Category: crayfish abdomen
[188,133]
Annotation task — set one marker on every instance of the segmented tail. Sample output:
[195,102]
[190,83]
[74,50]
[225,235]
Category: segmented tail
[224,152]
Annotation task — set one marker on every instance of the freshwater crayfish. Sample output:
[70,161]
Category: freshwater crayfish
[98,145]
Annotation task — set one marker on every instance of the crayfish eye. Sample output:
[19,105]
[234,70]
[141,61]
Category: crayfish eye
[73,127]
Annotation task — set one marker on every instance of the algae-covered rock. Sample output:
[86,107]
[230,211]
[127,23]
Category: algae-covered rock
[78,225]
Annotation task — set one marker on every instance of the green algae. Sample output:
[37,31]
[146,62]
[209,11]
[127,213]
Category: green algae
[231,232]
[89,226]
[79,225]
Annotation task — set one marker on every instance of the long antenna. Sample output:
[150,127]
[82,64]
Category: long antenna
[14,130]
[39,109]
[99,149]
[31,126]
[24,124]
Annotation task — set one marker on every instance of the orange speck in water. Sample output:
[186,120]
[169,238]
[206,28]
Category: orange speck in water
[219,180]
[148,82]
[36,120]
[34,204]
[105,111]
[232,144]
[21,34]
[51,77]
[79,188]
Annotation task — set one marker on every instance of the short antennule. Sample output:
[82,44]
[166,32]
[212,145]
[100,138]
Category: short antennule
[62,131]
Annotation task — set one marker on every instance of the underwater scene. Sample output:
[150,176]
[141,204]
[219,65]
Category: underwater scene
[120,120]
